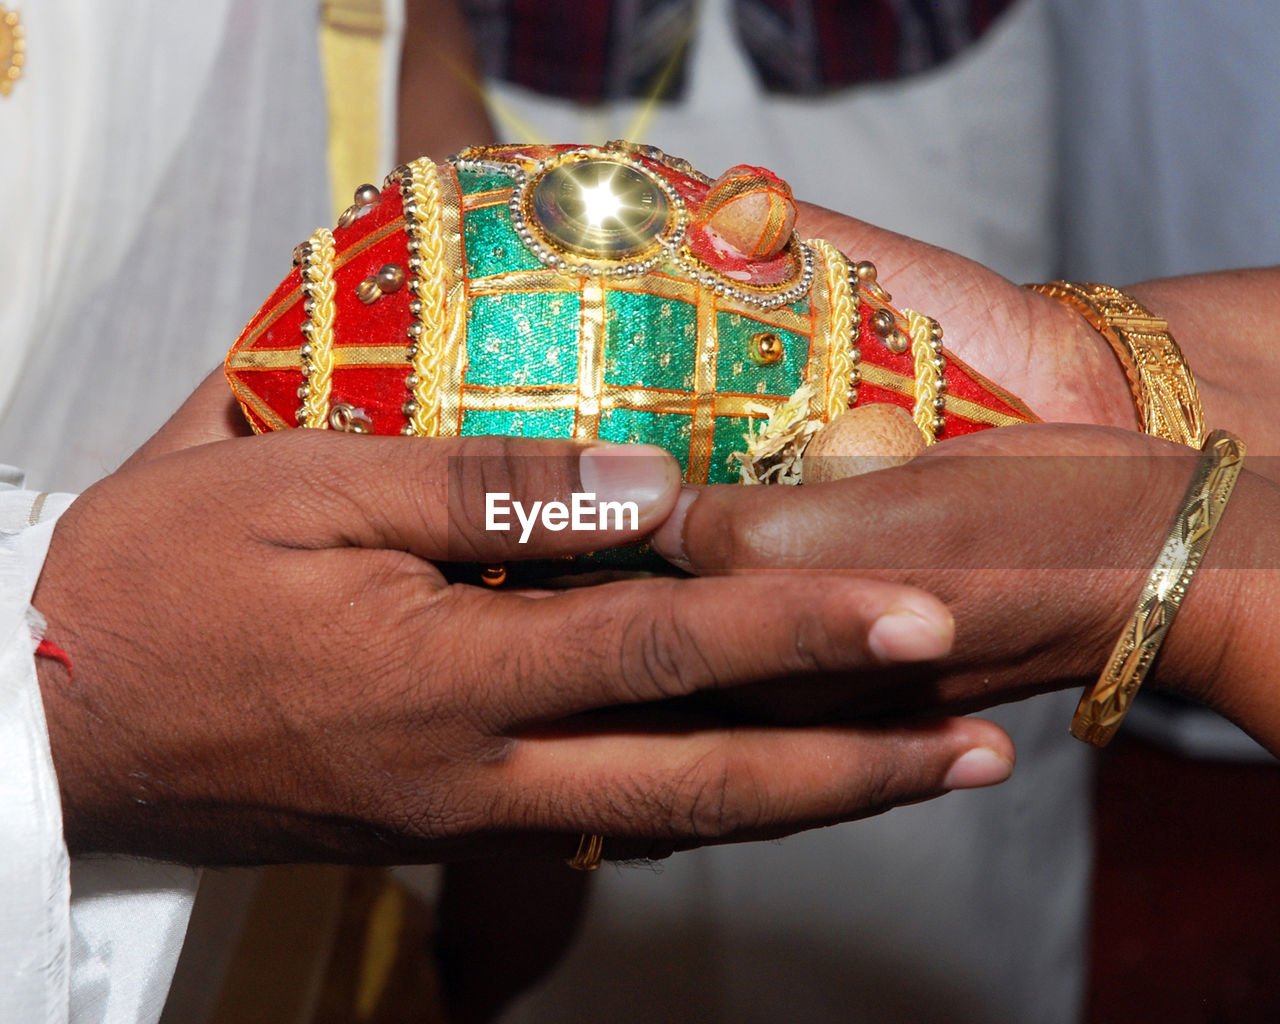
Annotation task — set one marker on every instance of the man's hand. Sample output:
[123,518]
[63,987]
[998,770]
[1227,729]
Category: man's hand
[270,666]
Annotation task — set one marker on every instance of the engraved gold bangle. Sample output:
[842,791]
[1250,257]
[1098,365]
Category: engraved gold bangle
[1162,385]
[1105,703]
[590,850]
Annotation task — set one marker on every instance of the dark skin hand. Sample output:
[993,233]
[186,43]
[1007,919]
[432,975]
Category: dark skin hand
[1226,324]
[270,666]
[1039,597]
[1038,538]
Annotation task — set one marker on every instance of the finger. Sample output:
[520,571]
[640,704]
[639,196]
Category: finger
[650,640]
[714,785]
[210,414]
[487,499]
[991,501]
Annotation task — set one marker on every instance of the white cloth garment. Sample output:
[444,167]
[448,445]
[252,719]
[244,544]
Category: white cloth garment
[1170,148]
[158,161]
[35,885]
[966,909]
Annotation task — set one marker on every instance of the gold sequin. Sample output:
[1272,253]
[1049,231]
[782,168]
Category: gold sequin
[765,348]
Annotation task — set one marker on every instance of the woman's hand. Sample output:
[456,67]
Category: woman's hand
[1038,538]
[1028,343]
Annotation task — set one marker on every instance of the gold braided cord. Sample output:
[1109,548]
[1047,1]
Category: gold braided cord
[317,283]
[928,355]
[844,313]
[427,265]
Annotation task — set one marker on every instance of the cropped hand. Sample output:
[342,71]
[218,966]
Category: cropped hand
[270,666]
[1027,343]
[1038,538]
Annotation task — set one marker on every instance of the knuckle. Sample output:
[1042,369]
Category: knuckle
[476,473]
[730,536]
[720,798]
[491,479]
[741,532]
[812,646]
[886,784]
[661,655]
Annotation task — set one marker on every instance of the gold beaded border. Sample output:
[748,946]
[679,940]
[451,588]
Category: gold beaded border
[930,365]
[762,296]
[842,384]
[319,258]
[420,186]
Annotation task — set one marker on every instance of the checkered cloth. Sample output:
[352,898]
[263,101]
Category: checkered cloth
[594,50]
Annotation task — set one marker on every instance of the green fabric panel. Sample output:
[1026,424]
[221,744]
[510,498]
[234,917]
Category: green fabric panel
[492,245]
[668,430]
[631,426]
[478,181]
[650,341]
[544,423]
[522,338]
[736,372]
[730,436]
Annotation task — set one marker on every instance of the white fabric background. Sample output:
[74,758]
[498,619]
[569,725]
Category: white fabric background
[170,156]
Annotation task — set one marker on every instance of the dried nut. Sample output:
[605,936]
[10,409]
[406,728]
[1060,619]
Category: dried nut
[864,439]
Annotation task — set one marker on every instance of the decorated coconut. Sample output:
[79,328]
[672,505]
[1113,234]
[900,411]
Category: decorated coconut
[606,292]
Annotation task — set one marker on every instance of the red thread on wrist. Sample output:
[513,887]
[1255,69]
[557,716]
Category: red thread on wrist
[48,649]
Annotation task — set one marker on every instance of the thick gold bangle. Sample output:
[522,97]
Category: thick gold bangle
[1162,385]
[1105,703]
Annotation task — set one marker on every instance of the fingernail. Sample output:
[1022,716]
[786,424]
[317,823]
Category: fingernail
[980,766]
[908,634]
[642,473]
[668,541]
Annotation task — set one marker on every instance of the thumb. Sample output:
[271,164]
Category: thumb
[468,499]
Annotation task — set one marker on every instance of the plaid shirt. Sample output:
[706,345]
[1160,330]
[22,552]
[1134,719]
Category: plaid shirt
[593,50]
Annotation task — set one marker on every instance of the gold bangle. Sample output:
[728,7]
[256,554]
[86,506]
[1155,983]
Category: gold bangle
[1162,384]
[1105,703]
[590,849]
